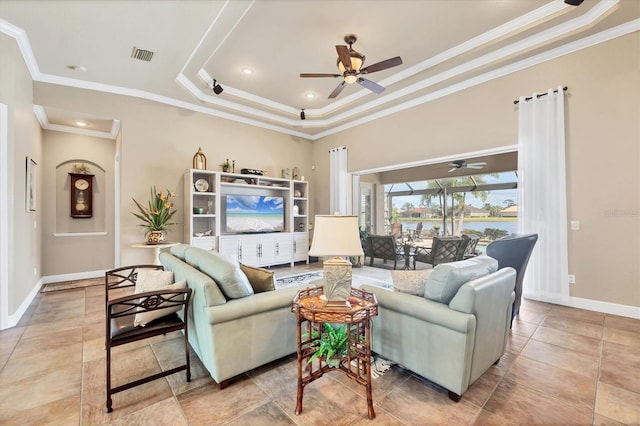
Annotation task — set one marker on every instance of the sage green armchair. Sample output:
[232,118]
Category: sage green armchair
[457,331]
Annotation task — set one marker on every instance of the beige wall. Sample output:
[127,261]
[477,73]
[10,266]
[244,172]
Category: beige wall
[158,142]
[24,140]
[603,153]
[67,242]
[157,146]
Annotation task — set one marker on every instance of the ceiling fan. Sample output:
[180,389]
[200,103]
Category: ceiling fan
[462,164]
[350,65]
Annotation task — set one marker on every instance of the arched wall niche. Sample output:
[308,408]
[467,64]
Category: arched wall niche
[65,224]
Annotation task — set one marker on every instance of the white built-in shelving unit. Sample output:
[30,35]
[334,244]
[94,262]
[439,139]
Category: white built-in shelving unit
[207,190]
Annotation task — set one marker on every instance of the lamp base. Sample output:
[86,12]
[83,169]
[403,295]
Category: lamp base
[337,283]
[335,305]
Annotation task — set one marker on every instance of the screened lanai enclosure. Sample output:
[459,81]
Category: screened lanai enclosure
[484,204]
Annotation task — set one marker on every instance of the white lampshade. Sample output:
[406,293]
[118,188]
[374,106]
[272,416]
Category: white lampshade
[335,235]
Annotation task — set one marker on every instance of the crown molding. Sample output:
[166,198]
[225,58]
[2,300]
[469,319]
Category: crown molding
[41,115]
[280,121]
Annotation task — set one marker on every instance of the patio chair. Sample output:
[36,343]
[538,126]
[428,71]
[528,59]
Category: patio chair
[443,250]
[131,317]
[385,247]
[469,244]
[514,251]
[417,234]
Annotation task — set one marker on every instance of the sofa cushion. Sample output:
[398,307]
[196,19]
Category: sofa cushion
[228,275]
[447,278]
[261,280]
[180,250]
[411,282]
[206,291]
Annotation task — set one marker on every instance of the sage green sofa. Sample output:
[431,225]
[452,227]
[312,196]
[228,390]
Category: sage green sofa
[231,328]
[454,332]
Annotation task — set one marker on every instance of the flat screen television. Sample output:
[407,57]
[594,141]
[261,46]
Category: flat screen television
[254,213]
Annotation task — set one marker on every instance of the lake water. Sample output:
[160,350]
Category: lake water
[511,227]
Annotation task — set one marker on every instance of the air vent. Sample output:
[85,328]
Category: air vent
[143,55]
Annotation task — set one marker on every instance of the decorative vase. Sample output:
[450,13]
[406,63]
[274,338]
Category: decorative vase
[199,160]
[155,237]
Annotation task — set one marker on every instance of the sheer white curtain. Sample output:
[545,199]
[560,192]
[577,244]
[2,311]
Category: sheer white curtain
[338,191]
[542,194]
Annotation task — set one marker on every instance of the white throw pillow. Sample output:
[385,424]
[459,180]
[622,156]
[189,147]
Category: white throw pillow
[153,279]
[150,280]
[411,282]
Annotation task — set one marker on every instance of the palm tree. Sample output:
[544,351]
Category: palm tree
[459,198]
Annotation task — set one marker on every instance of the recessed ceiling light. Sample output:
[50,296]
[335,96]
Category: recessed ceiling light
[76,67]
[81,123]
[310,95]
[247,71]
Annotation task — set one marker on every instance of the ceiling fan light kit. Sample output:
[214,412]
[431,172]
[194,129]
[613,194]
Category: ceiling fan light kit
[350,66]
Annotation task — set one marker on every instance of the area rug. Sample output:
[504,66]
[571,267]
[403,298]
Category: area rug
[379,366]
[70,285]
[297,279]
[304,278]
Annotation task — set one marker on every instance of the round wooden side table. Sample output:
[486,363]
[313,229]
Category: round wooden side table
[311,314]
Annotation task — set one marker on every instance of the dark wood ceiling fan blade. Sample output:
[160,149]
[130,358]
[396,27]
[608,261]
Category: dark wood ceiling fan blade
[337,90]
[345,58]
[307,75]
[374,87]
[379,66]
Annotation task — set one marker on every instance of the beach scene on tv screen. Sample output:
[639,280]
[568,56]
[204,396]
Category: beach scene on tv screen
[247,213]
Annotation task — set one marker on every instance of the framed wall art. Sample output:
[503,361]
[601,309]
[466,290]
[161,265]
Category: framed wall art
[30,190]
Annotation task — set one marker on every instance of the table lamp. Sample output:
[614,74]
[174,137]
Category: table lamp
[336,236]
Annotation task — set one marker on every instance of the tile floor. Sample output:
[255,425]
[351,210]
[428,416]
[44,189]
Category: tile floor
[562,366]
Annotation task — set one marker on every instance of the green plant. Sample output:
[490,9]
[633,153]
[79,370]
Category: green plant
[158,215]
[333,344]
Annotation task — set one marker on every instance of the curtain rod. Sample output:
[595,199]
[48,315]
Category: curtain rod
[528,98]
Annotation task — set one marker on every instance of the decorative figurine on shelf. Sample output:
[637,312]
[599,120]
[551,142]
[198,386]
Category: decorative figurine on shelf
[225,166]
[199,160]
[296,173]
[286,173]
[233,166]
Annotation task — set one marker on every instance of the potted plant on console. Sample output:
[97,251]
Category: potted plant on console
[157,217]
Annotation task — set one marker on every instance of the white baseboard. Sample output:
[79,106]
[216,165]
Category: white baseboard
[13,319]
[594,305]
[606,307]
[71,277]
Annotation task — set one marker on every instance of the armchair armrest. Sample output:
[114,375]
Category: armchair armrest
[483,293]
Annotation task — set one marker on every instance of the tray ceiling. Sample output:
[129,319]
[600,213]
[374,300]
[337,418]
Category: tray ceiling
[446,46]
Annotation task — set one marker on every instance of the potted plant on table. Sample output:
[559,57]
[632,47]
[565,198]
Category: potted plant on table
[157,217]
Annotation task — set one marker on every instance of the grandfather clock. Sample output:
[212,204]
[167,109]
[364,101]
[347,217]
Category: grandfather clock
[81,195]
